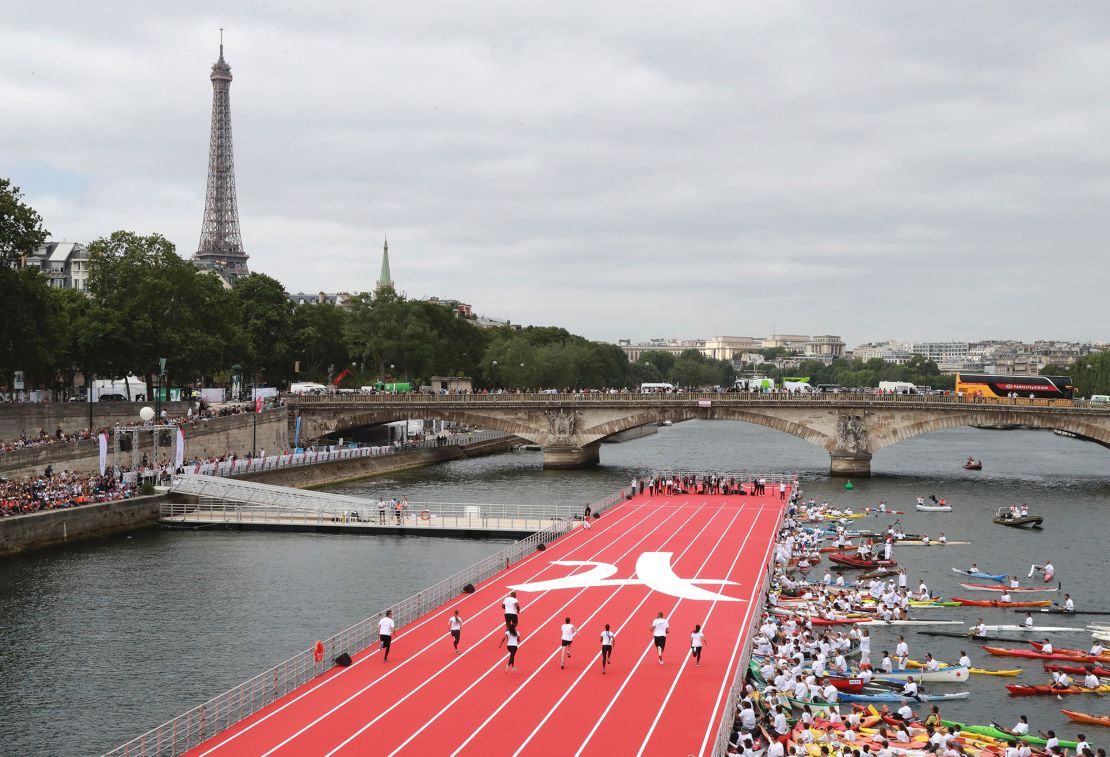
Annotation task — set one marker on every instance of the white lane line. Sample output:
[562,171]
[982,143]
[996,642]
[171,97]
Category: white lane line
[486,585]
[650,647]
[506,700]
[705,623]
[480,678]
[620,630]
[736,648]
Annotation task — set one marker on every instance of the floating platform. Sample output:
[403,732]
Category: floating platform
[697,559]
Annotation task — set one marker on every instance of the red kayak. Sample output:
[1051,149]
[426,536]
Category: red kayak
[843,558]
[1034,655]
[847,685]
[1044,689]
[999,603]
[1039,645]
[1076,670]
[813,559]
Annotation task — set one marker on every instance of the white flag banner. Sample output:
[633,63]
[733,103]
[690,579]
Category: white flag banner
[179,451]
[103,451]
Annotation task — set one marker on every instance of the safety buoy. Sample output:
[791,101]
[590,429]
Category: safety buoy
[318,651]
[425,515]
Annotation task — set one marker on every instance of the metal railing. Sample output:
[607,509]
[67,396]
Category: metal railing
[736,691]
[671,399]
[243,466]
[192,728]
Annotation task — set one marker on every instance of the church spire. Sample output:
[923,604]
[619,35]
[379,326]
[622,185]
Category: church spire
[384,279]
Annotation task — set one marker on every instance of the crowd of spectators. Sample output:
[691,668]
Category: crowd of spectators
[52,491]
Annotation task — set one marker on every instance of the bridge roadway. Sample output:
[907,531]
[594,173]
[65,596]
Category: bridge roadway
[698,559]
[569,427]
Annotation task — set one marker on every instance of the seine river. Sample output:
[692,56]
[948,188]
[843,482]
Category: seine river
[103,640]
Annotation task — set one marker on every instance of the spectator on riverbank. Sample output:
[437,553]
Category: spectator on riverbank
[62,490]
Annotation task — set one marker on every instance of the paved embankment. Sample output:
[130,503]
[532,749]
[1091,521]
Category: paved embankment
[19,533]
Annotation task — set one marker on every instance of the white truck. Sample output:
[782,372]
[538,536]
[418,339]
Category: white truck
[897,387]
[798,387]
[127,389]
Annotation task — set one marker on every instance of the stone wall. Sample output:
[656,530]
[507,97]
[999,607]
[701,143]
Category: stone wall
[52,527]
[214,437]
[29,417]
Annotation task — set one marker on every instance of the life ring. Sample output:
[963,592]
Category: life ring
[318,651]
[425,515]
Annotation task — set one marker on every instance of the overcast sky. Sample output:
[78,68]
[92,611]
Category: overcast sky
[873,170]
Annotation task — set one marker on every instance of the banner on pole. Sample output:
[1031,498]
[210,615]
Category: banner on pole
[103,451]
[179,451]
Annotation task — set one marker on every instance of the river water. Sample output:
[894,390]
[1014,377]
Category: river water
[102,640]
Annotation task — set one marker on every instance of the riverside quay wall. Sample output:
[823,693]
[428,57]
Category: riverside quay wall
[19,533]
[31,417]
[213,437]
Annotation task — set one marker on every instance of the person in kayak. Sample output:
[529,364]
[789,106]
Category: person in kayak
[974,569]
[1028,622]
[1069,604]
[1061,680]
[1047,648]
[1014,582]
[1005,596]
[1091,680]
[979,630]
[1097,649]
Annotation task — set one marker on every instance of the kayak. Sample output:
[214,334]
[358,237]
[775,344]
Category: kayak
[1045,629]
[894,696]
[985,587]
[1081,717]
[1010,673]
[965,635]
[1082,670]
[930,543]
[933,508]
[881,511]
[1000,603]
[1044,689]
[852,561]
[1032,654]
[850,685]
[998,733]
[980,574]
[948,674]
[1062,611]
[1104,657]
[911,622]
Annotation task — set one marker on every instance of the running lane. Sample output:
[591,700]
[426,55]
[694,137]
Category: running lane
[699,559]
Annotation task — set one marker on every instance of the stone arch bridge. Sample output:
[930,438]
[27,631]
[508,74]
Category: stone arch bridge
[570,427]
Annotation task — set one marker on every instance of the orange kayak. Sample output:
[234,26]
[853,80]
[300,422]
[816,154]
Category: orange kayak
[1080,717]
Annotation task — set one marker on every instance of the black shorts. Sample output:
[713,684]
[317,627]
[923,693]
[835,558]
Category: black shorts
[455,634]
[566,642]
[607,648]
[384,639]
[510,618]
[661,642]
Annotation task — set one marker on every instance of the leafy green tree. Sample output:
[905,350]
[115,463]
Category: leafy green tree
[1090,374]
[21,231]
[25,334]
[151,303]
[266,321]
[318,341]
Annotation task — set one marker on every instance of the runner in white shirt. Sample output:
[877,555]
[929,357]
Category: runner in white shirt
[512,640]
[512,609]
[568,632]
[697,641]
[607,638]
[659,629]
[454,625]
[385,633]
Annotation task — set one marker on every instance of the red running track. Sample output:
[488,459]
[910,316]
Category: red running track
[428,700]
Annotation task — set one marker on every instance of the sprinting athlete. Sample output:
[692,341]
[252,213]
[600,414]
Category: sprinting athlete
[659,629]
[385,633]
[607,639]
[567,639]
[454,625]
[512,609]
[512,640]
[697,641]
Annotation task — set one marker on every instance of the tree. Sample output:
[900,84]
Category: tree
[21,231]
[318,340]
[151,303]
[25,336]
[266,320]
[1090,374]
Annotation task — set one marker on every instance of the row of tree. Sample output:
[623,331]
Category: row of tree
[857,373]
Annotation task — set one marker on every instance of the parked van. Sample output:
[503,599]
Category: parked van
[898,387]
[1100,399]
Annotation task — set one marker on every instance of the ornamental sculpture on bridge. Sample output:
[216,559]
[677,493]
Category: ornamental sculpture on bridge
[561,427]
[851,434]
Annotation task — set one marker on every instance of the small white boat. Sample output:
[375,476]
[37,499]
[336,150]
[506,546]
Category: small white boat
[952,673]
[934,508]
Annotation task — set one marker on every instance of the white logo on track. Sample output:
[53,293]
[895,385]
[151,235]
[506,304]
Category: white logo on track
[653,570]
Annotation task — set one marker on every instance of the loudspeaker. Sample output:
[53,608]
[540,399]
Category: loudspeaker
[541,547]
[343,660]
[469,588]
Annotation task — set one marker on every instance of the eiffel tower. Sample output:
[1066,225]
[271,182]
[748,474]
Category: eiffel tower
[221,246]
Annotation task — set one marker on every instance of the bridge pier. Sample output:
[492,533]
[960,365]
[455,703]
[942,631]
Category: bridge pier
[561,458]
[850,464]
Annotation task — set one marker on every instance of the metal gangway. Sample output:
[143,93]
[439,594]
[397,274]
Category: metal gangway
[220,500]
